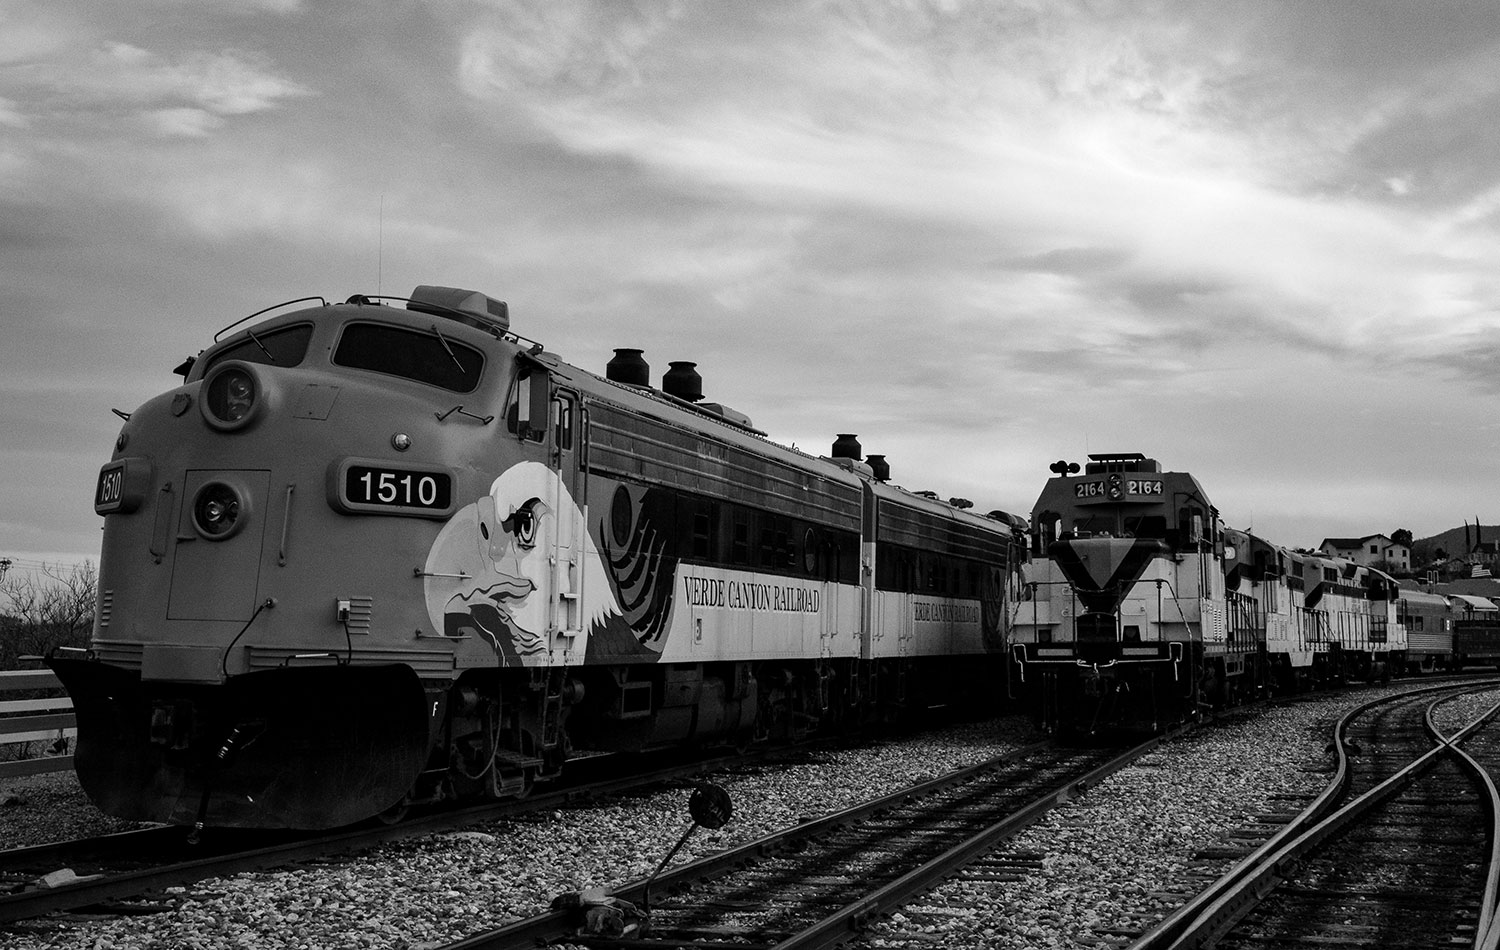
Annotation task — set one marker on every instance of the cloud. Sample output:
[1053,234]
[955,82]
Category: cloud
[9,114]
[239,7]
[981,234]
[228,83]
[1068,260]
[188,92]
[185,122]
[1115,160]
[33,32]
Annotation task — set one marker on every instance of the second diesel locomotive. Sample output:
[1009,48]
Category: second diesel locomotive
[1139,607]
[388,551]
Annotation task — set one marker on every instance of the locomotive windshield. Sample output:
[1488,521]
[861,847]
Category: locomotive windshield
[285,346]
[426,357]
[1091,523]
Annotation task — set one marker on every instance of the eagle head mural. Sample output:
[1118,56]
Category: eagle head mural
[491,573]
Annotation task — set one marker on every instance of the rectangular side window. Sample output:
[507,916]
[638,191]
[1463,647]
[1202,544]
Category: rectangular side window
[562,423]
[519,419]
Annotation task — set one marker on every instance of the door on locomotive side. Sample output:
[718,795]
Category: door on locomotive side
[495,570]
[816,547]
[567,542]
[554,522]
[867,566]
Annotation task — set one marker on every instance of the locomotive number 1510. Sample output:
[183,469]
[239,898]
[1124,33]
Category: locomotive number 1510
[392,489]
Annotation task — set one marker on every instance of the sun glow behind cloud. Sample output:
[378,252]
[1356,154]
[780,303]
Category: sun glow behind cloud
[1035,159]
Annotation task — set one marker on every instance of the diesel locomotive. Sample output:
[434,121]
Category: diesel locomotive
[388,551]
[1140,608]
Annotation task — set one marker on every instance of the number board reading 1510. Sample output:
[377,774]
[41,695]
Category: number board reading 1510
[111,489]
[1130,486]
[392,489]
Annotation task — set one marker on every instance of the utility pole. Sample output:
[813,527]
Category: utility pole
[4,566]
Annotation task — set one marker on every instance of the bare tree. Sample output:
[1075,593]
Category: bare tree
[50,608]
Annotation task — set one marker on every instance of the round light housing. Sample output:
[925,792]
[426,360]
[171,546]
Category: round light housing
[218,511]
[400,441]
[232,396]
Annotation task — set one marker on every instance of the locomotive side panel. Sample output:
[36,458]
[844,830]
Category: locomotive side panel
[942,580]
[719,550]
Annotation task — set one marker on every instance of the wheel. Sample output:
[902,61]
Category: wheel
[394,814]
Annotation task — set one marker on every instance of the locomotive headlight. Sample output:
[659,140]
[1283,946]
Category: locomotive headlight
[232,396]
[218,511]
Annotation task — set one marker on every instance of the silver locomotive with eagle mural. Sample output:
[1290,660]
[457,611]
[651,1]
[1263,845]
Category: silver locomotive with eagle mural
[388,551]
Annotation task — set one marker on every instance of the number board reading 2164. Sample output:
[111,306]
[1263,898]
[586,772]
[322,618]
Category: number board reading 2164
[1133,486]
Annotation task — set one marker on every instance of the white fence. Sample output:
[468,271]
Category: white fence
[34,720]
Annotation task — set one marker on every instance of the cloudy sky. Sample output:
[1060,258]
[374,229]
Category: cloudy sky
[1260,242]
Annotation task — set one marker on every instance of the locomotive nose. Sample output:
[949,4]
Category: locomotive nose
[1101,570]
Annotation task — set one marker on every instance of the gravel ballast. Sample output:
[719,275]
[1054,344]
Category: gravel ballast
[1110,862]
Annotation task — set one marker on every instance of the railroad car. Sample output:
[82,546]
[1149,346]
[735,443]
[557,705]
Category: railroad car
[1140,608]
[1476,630]
[1428,622]
[388,551]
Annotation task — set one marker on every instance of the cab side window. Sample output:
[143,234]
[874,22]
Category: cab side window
[521,419]
[563,415]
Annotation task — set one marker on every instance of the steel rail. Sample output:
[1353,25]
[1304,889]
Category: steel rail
[88,890]
[1167,931]
[1487,930]
[847,921]
[837,927]
[1227,901]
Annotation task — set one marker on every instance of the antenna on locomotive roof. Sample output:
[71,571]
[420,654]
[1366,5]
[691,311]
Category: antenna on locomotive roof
[380,248]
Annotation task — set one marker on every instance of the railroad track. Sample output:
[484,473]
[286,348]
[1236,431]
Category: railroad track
[1398,851]
[817,884]
[125,872]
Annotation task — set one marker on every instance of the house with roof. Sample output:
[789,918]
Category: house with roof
[1368,550]
[1485,555]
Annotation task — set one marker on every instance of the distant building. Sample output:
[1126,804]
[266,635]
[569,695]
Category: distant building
[1368,550]
[1486,556]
